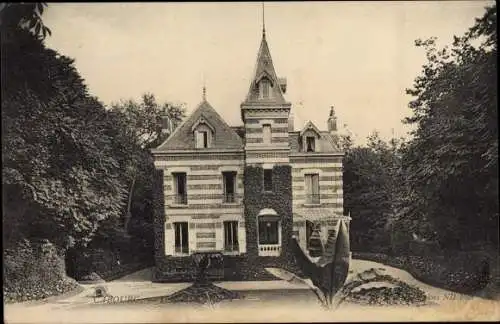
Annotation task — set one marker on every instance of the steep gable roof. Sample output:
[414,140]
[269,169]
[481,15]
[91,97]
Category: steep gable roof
[265,68]
[183,137]
[327,142]
[310,126]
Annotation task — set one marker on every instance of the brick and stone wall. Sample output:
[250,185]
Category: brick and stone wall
[248,266]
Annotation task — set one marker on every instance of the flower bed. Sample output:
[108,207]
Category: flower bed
[461,272]
[391,292]
[201,293]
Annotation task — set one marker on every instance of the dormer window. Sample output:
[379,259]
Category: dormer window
[201,139]
[265,88]
[310,138]
[203,134]
[310,144]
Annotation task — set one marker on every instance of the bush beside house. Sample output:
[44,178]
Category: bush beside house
[34,271]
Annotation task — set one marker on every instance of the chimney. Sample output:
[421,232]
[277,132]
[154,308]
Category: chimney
[332,121]
[290,122]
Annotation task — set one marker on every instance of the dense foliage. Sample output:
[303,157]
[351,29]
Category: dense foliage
[60,177]
[74,173]
[442,185]
[452,162]
[370,184]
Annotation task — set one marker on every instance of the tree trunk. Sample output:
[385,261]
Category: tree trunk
[128,214]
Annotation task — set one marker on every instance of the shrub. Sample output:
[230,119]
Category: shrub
[34,271]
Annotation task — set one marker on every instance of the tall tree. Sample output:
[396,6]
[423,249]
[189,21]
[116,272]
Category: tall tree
[59,176]
[370,182]
[452,162]
[139,126]
[142,125]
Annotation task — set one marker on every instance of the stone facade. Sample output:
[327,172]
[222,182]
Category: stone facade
[244,191]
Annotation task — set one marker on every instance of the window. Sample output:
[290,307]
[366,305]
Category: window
[229,186]
[205,139]
[180,190]
[265,86]
[310,144]
[268,179]
[231,236]
[268,231]
[201,139]
[312,188]
[181,237]
[266,133]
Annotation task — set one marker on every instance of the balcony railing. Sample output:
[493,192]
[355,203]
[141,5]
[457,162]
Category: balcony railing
[269,250]
[313,199]
[199,198]
[180,199]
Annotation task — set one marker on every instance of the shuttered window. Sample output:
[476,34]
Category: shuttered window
[312,189]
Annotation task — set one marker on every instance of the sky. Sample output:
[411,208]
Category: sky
[357,56]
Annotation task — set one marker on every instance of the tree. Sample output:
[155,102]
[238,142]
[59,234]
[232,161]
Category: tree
[451,164]
[371,181]
[138,126]
[26,16]
[59,176]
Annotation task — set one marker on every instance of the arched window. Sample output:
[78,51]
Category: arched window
[269,232]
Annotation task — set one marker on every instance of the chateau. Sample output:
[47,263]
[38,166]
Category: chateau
[243,191]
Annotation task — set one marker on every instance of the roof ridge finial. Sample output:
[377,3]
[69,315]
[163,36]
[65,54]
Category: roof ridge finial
[263,21]
[204,88]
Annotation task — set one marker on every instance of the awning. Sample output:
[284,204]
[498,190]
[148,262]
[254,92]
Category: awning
[315,214]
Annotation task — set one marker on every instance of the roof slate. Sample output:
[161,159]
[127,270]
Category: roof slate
[183,137]
[327,142]
[265,67]
[240,130]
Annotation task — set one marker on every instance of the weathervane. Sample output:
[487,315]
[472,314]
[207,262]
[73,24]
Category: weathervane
[263,21]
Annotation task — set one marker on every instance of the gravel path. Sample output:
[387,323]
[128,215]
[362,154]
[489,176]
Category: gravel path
[270,306]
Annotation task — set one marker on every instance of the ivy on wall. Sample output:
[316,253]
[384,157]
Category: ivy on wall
[279,199]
